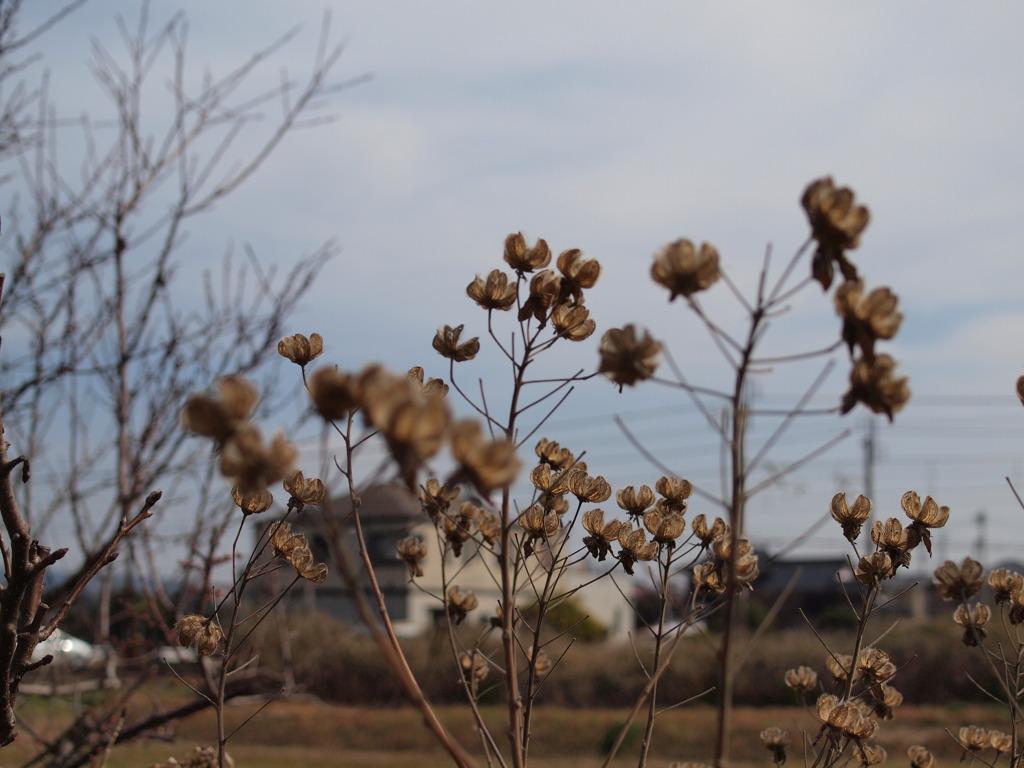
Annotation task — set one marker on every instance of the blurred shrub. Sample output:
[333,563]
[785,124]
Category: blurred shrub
[340,665]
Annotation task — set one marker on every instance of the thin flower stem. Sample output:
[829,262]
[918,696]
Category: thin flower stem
[658,464]
[796,356]
[659,637]
[780,430]
[777,293]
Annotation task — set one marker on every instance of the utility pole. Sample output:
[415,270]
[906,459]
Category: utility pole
[870,453]
[981,542]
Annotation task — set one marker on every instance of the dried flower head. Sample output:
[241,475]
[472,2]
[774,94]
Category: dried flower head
[801,679]
[664,526]
[457,528]
[837,224]
[875,568]
[1016,603]
[925,515]
[577,273]
[474,666]
[973,619]
[300,349]
[430,387]
[252,466]
[487,464]
[635,501]
[776,740]
[587,488]
[412,551]
[744,561]
[874,666]
[436,498]
[601,533]
[866,318]
[554,455]
[306,566]
[1001,742]
[708,578]
[331,393]
[447,344]
[554,502]
[635,547]
[204,756]
[252,503]
[1005,583]
[493,293]
[305,492]
[851,518]
[220,417]
[541,664]
[705,534]
[839,665]
[871,754]
[545,292]
[675,491]
[845,717]
[546,481]
[413,426]
[538,523]
[959,582]
[972,738]
[523,259]
[874,383]
[921,757]
[685,271]
[200,632]
[572,322]
[489,527]
[887,698]
[459,605]
[294,548]
[283,541]
[628,355]
[891,537]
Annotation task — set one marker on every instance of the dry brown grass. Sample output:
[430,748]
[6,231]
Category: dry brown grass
[391,736]
[290,733]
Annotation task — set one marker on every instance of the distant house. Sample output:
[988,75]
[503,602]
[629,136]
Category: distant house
[390,513]
[813,585]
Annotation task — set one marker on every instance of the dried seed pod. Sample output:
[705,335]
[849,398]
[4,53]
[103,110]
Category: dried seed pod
[1005,583]
[487,464]
[200,632]
[332,393]
[523,259]
[494,292]
[959,582]
[874,383]
[921,757]
[628,355]
[311,491]
[252,503]
[972,738]
[447,344]
[300,349]
[801,679]
[851,518]
[684,270]
[459,605]
[412,551]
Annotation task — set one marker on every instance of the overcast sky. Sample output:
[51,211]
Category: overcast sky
[617,128]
